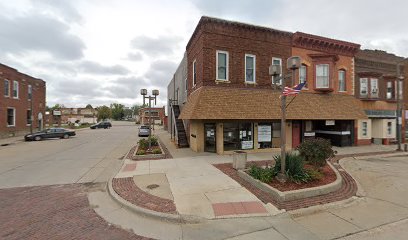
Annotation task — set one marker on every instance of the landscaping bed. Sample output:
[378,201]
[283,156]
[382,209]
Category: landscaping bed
[140,151]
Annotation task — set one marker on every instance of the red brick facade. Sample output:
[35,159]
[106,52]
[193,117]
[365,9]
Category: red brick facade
[157,115]
[22,103]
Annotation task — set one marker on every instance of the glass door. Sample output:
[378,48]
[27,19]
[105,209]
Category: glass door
[209,143]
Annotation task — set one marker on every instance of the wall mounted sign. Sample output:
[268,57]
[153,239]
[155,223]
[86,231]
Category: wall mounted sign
[264,133]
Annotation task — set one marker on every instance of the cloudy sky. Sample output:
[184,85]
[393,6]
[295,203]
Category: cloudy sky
[104,51]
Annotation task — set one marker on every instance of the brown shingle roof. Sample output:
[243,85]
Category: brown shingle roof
[237,103]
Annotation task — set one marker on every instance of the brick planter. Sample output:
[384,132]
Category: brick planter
[295,194]
[149,156]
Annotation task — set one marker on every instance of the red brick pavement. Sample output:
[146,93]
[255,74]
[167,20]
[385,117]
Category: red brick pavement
[127,189]
[53,212]
[348,189]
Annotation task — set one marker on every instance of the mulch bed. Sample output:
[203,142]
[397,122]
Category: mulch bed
[348,189]
[132,153]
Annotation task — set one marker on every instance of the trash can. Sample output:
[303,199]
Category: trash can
[239,160]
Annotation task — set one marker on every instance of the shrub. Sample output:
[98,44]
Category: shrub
[154,141]
[294,167]
[262,174]
[141,152]
[314,174]
[157,151]
[143,143]
[316,151]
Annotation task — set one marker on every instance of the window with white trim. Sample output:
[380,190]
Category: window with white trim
[363,87]
[222,66]
[194,73]
[11,117]
[15,89]
[342,81]
[322,76]
[364,129]
[277,61]
[250,66]
[6,88]
[374,88]
[30,92]
[389,90]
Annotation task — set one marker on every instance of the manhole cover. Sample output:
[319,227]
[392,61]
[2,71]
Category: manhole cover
[153,186]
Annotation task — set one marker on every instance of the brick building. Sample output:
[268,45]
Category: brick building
[79,115]
[376,87]
[234,104]
[156,114]
[22,102]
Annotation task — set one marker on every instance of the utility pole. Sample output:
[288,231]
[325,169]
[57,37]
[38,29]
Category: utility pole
[399,80]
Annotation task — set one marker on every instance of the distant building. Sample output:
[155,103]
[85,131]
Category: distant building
[79,115]
[22,102]
[156,114]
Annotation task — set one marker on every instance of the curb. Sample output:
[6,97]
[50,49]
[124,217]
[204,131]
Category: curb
[150,213]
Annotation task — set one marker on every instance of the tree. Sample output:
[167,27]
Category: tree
[57,106]
[104,112]
[118,111]
[89,106]
[135,108]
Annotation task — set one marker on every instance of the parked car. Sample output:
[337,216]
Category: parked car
[144,131]
[104,125]
[50,133]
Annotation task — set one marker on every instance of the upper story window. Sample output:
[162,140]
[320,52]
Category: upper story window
[342,81]
[194,73]
[277,61]
[363,87]
[6,88]
[390,90]
[222,65]
[322,76]
[30,92]
[374,90]
[250,66]
[303,74]
[15,89]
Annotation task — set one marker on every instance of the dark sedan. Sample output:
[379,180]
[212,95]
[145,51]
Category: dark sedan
[104,125]
[50,133]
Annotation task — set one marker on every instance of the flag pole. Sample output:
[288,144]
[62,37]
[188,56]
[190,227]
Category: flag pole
[291,101]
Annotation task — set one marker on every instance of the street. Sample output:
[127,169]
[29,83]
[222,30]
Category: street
[90,156]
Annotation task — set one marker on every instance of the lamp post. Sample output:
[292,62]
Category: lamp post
[400,78]
[293,63]
[155,93]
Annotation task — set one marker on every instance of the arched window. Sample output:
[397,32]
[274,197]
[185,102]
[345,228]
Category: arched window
[342,80]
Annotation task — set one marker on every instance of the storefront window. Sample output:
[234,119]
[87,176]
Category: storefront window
[264,135]
[238,136]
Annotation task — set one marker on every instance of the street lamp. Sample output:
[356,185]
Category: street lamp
[155,93]
[293,63]
[400,78]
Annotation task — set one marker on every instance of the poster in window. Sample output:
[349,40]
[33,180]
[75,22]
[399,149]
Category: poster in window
[264,133]
[246,145]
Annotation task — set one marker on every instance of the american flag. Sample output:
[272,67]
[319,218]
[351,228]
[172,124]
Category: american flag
[293,90]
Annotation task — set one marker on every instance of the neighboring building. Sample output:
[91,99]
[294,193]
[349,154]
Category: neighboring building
[79,115]
[376,87]
[177,95]
[234,104]
[155,114]
[22,102]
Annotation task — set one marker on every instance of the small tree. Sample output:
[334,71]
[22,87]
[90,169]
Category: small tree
[104,112]
[89,106]
[117,111]
[316,151]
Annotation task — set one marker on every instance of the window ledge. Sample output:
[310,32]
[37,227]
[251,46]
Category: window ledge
[324,89]
[217,81]
[10,126]
[250,83]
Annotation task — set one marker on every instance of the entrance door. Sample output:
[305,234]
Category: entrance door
[209,143]
[295,134]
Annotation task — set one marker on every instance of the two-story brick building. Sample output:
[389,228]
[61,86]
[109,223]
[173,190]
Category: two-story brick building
[22,102]
[233,103]
[376,87]
[156,115]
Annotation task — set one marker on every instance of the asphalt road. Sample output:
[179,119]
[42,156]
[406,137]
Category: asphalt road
[90,156]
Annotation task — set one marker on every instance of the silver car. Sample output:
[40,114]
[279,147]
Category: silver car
[144,131]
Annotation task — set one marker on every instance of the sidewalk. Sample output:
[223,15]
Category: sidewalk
[189,198]
[11,140]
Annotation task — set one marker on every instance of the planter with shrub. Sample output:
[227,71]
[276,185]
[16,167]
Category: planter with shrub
[143,152]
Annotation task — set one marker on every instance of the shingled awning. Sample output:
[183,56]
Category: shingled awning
[216,103]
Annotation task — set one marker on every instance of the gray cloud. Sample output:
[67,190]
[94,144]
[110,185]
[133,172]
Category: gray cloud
[63,9]
[160,72]
[127,87]
[91,67]
[160,46]
[135,56]
[39,33]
